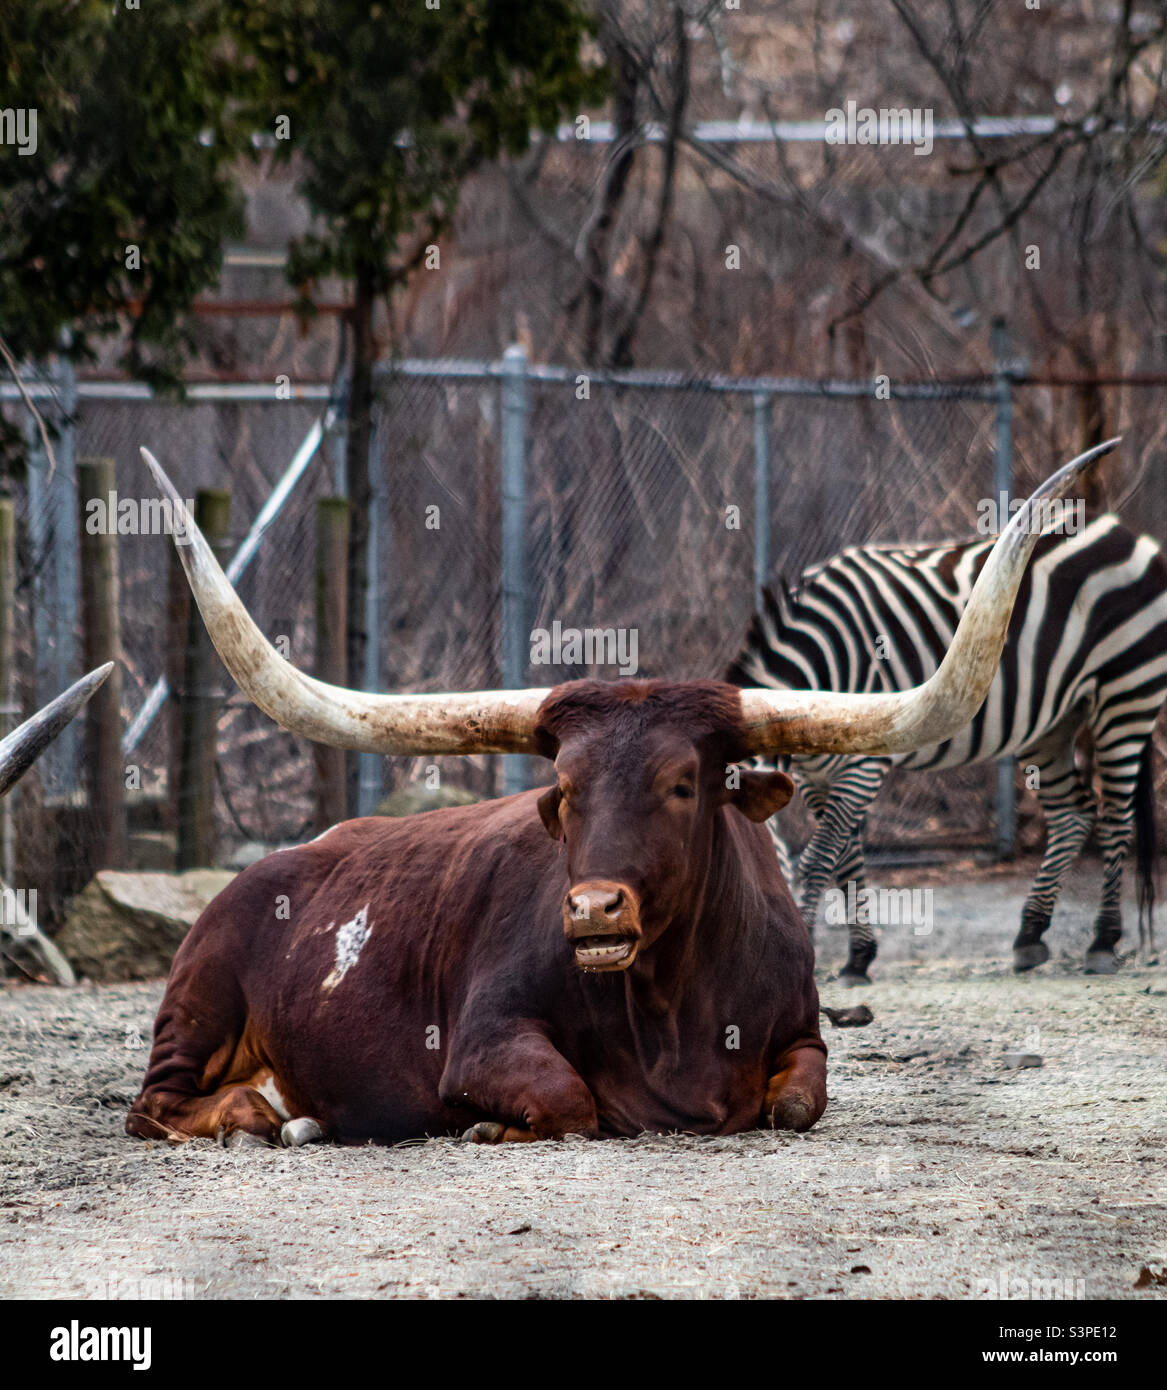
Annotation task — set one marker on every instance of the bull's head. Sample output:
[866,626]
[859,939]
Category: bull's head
[637,790]
[642,769]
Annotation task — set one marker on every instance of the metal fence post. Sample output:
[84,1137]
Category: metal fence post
[761,494]
[337,436]
[513,482]
[54,533]
[66,528]
[371,766]
[1003,486]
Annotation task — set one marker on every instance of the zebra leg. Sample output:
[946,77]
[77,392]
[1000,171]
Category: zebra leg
[782,849]
[1120,739]
[862,944]
[817,796]
[1116,827]
[1068,805]
[851,793]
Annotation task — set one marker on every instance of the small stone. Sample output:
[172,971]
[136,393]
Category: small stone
[1023,1059]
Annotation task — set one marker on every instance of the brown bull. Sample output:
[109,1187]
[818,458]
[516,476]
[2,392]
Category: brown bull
[614,954]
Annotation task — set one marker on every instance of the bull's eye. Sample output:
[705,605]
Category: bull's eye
[683,790]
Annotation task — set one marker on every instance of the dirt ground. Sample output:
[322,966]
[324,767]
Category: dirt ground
[937,1172]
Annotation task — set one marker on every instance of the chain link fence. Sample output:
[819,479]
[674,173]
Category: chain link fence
[649,503]
[641,516]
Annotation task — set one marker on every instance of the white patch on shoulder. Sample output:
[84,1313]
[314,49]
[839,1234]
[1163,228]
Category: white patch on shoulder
[322,834]
[271,1093]
[350,939]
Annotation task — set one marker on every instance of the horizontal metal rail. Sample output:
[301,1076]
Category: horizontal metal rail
[454,369]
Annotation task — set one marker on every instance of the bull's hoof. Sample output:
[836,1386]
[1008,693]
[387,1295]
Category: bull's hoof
[1029,957]
[484,1132]
[853,979]
[1101,962]
[491,1132]
[296,1133]
[792,1112]
[241,1139]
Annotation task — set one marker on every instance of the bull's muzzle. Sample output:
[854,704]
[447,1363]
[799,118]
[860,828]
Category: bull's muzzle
[602,920]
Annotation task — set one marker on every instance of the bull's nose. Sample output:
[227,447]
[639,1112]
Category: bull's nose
[589,903]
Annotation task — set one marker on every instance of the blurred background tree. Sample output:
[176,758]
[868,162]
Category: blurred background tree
[116,220]
[383,111]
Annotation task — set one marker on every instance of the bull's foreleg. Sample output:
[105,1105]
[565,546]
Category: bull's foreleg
[527,1089]
[796,1094]
[194,1086]
[235,1116]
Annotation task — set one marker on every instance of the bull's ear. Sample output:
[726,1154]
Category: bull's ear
[548,805]
[759,794]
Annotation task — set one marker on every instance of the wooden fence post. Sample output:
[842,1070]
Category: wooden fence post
[8,702]
[199,700]
[178,608]
[102,642]
[332,532]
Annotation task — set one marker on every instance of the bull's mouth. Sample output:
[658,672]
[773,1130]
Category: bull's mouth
[607,952]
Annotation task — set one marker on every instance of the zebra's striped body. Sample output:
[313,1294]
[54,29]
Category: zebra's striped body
[1087,648]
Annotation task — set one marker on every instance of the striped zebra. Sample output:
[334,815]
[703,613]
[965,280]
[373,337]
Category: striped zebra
[1087,649]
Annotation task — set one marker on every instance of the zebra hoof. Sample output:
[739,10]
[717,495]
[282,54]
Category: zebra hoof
[296,1133]
[1029,957]
[854,979]
[1101,962]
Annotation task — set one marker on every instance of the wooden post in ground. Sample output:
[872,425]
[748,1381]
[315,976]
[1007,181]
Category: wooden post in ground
[9,708]
[178,607]
[199,700]
[101,636]
[332,534]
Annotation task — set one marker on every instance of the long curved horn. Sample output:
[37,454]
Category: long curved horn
[784,721]
[24,745]
[484,721]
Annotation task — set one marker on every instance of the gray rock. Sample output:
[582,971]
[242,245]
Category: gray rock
[127,926]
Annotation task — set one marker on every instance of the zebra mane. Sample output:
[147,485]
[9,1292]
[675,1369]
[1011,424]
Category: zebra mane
[779,604]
